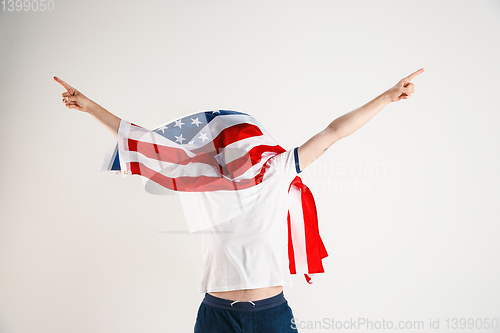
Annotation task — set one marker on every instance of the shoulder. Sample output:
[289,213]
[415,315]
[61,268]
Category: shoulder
[285,164]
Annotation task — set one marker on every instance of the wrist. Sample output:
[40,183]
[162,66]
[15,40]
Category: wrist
[385,98]
[93,108]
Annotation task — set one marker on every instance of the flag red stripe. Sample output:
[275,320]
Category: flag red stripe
[168,154]
[230,135]
[314,245]
[195,184]
[240,165]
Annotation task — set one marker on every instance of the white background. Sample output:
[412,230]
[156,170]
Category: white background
[88,251]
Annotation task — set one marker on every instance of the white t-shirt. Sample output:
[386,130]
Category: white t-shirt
[251,250]
[244,232]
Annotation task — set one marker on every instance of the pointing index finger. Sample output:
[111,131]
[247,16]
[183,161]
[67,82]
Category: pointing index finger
[413,75]
[66,86]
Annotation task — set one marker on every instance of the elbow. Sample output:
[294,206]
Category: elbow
[333,134]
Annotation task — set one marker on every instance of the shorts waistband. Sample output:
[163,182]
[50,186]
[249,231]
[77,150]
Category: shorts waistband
[249,306]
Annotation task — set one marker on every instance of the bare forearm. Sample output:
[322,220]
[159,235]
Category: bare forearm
[109,120]
[340,128]
[352,121]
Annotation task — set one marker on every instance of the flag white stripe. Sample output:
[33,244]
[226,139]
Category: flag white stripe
[297,229]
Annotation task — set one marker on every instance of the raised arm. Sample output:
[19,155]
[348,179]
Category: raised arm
[73,99]
[352,121]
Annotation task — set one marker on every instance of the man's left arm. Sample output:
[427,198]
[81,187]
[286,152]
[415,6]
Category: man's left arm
[352,121]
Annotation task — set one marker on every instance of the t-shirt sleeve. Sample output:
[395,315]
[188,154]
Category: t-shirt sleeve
[118,156]
[286,163]
[296,159]
[139,151]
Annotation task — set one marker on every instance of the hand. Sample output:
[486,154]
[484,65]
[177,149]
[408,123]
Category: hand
[404,88]
[73,99]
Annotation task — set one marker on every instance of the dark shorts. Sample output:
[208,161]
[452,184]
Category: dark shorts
[270,315]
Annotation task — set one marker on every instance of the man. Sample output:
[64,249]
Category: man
[246,295]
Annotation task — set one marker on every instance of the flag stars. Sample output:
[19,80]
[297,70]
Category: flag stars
[215,111]
[179,138]
[179,123]
[196,122]
[162,129]
[203,136]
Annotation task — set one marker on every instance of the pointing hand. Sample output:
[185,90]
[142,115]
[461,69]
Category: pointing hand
[404,88]
[72,98]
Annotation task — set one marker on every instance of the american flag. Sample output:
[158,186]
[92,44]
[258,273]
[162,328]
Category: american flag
[219,150]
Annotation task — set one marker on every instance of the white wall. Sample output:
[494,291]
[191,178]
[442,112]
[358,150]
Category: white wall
[88,251]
